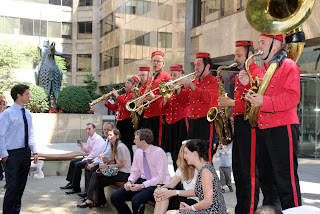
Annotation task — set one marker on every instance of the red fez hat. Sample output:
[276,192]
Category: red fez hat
[244,43]
[135,79]
[277,37]
[202,55]
[157,53]
[176,67]
[144,69]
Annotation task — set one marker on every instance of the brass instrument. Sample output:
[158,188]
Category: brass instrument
[220,115]
[135,115]
[278,17]
[166,90]
[104,97]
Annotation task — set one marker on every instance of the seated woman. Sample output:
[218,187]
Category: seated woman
[208,187]
[170,199]
[120,153]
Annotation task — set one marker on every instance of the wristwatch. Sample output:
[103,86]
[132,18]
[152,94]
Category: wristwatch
[142,186]
[177,192]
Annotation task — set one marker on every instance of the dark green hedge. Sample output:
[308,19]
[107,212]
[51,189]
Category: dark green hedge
[74,99]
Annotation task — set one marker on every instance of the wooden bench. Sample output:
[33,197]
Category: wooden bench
[63,156]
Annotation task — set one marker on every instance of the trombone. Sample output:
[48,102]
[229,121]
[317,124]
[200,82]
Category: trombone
[165,89]
[104,97]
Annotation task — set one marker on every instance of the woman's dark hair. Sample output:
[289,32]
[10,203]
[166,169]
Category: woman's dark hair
[18,89]
[115,146]
[200,146]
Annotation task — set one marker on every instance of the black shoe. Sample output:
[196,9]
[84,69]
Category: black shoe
[84,199]
[68,186]
[230,188]
[222,190]
[82,194]
[74,190]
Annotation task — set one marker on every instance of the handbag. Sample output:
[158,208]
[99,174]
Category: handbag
[108,172]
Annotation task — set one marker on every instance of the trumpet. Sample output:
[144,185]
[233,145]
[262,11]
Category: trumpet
[104,97]
[166,90]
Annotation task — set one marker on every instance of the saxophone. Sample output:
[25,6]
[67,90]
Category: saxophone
[220,115]
[135,115]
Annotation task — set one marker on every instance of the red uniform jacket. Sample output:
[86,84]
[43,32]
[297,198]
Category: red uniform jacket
[176,107]
[120,105]
[240,104]
[203,97]
[155,107]
[142,89]
[282,96]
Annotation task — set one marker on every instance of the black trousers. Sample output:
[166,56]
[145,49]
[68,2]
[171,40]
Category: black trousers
[155,124]
[75,171]
[138,198]
[245,173]
[97,183]
[202,129]
[88,174]
[17,168]
[278,164]
[126,133]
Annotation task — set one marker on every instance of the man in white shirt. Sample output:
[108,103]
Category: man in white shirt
[16,144]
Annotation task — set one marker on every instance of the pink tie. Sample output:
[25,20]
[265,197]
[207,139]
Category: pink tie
[146,168]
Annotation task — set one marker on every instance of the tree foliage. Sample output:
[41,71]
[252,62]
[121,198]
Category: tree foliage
[91,84]
[38,101]
[116,86]
[74,99]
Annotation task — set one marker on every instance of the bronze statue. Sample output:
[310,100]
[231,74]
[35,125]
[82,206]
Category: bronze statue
[49,75]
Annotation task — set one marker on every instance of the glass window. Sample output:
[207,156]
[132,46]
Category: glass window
[66,30]
[26,27]
[107,59]
[54,29]
[55,2]
[84,30]
[116,56]
[11,25]
[67,3]
[118,17]
[165,38]
[85,2]
[212,10]
[37,28]
[84,62]
[68,59]
[1,24]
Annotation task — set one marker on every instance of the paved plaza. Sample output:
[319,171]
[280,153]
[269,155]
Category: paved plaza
[44,195]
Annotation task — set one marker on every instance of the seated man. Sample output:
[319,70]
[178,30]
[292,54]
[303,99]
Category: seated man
[92,167]
[95,146]
[148,169]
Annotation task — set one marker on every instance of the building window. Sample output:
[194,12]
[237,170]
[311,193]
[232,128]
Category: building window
[109,58]
[106,24]
[66,30]
[85,3]
[26,27]
[54,29]
[165,38]
[136,7]
[1,24]
[137,48]
[68,59]
[67,3]
[161,1]
[11,25]
[84,62]
[55,2]
[84,30]
[42,27]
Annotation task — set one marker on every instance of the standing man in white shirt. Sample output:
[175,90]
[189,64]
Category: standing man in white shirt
[16,144]
[95,145]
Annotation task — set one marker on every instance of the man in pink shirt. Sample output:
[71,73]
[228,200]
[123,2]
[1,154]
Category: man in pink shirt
[148,169]
[95,145]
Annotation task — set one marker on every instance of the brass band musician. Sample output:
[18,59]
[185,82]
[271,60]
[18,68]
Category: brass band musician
[203,94]
[124,123]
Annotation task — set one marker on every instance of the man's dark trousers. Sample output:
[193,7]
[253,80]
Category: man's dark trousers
[75,170]
[119,198]
[88,174]
[17,169]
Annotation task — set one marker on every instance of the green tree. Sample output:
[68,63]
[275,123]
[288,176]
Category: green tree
[39,100]
[116,86]
[74,99]
[91,84]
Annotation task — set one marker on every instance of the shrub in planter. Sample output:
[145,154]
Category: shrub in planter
[96,96]
[74,99]
[38,101]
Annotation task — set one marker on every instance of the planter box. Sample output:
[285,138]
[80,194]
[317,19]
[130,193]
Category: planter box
[63,128]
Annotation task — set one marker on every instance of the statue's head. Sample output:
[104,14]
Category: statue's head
[46,43]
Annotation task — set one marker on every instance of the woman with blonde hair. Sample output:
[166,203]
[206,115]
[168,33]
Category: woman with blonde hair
[169,198]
